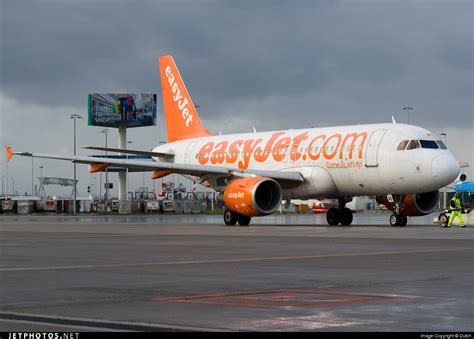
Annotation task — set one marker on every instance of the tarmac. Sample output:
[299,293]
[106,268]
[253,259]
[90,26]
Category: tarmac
[192,273]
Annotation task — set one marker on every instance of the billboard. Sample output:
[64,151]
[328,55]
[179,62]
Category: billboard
[129,110]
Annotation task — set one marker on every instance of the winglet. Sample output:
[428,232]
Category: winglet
[393,120]
[9,153]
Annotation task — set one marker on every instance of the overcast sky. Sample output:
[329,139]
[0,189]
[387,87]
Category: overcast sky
[268,64]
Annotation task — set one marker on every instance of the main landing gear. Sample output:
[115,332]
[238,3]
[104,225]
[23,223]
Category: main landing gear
[397,218]
[341,215]
[231,218]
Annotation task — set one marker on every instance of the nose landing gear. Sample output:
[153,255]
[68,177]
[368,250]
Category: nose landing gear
[397,218]
[341,215]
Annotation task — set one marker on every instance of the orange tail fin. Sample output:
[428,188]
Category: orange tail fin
[182,120]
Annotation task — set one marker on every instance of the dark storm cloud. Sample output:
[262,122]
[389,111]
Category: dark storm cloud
[55,52]
[272,64]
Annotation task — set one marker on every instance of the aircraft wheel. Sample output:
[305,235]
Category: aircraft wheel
[243,220]
[346,217]
[333,216]
[395,219]
[404,220]
[443,220]
[230,218]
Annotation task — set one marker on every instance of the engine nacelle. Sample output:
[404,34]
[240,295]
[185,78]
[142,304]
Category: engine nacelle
[414,204]
[254,196]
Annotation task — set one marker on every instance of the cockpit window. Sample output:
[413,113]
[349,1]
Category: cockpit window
[429,144]
[413,144]
[402,145]
[441,144]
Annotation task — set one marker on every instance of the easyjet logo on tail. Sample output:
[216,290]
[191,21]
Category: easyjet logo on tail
[178,97]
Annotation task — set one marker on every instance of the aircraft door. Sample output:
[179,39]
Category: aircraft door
[371,155]
[189,151]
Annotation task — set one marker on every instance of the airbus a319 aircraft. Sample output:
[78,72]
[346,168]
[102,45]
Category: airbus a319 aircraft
[403,165]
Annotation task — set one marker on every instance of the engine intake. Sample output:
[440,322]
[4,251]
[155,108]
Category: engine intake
[414,204]
[254,196]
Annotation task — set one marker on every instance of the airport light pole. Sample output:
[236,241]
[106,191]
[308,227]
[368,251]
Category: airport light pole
[32,175]
[6,177]
[445,191]
[106,131]
[13,183]
[408,109]
[75,117]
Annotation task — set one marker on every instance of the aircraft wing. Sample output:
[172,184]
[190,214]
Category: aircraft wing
[283,177]
[129,151]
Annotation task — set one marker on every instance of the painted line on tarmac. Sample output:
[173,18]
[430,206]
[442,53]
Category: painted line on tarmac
[94,324]
[228,261]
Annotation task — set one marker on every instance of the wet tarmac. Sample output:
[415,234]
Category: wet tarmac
[284,273]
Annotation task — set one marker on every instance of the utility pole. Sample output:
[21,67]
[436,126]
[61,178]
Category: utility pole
[74,117]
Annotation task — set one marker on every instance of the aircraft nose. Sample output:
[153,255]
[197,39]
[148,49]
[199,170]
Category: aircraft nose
[445,169]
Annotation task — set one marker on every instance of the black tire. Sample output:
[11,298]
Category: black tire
[395,219]
[346,217]
[230,218]
[404,220]
[333,216]
[243,220]
[443,220]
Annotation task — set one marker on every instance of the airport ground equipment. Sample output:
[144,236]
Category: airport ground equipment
[9,206]
[55,181]
[26,207]
[443,218]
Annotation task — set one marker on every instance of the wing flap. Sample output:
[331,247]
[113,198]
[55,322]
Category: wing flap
[128,151]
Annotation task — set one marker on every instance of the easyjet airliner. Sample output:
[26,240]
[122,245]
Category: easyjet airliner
[403,165]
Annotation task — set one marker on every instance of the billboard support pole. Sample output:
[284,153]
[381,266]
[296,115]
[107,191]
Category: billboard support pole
[122,144]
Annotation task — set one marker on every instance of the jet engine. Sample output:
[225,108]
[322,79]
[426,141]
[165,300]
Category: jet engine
[414,204]
[254,196]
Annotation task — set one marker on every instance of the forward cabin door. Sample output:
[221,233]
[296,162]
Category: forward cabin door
[371,155]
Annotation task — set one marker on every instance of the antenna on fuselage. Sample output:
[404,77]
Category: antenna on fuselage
[393,120]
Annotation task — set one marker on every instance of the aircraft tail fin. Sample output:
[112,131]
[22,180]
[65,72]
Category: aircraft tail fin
[182,120]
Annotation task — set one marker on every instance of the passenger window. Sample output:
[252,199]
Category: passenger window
[402,145]
[429,144]
[413,144]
